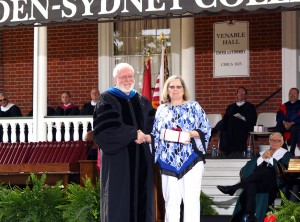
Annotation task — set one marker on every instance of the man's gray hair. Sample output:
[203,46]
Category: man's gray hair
[3,94]
[120,66]
[278,134]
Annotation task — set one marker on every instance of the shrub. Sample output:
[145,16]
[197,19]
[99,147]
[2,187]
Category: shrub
[83,202]
[206,203]
[287,212]
[37,203]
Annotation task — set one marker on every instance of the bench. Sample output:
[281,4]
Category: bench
[59,160]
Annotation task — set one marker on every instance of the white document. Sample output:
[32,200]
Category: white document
[238,115]
[174,136]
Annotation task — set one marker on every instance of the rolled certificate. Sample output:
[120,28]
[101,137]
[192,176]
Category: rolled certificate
[174,136]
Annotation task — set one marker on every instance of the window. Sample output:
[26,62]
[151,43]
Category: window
[133,39]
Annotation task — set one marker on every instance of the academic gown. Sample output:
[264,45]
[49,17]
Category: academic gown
[263,199]
[126,167]
[66,111]
[14,111]
[87,109]
[234,131]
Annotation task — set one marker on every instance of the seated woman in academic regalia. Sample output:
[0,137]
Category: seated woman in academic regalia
[9,110]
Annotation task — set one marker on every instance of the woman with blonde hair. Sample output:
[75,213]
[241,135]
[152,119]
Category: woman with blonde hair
[181,133]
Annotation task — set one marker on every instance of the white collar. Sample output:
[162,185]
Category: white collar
[93,103]
[238,103]
[277,155]
[7,107]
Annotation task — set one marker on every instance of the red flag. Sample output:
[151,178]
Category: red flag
[146,90]
[161,78]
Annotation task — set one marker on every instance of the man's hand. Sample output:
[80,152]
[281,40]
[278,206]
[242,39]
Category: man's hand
[267,154]
[287,125]
[89,137]
[140,137]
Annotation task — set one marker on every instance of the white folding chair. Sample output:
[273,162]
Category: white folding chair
[268,121]
[213,120]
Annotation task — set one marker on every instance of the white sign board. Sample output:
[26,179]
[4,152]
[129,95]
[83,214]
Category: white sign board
[231,49]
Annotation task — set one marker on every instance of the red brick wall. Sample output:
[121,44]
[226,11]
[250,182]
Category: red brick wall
[214,94]
[72,64]
[17,66]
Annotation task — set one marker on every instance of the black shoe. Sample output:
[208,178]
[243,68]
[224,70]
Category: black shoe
[249,218]
[227,189]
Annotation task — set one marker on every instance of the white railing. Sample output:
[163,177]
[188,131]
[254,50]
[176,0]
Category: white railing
[21,128]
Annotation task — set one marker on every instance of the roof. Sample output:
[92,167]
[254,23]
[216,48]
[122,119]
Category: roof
[46,12]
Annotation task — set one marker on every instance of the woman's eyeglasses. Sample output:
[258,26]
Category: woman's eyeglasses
[2,100]
[175,87]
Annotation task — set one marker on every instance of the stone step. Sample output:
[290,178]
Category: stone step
[224,163]
[220,180]
[214,191]
[222,172]
[219,172]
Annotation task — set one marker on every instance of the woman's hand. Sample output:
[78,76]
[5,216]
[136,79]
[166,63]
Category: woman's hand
[188,140]
[148,138]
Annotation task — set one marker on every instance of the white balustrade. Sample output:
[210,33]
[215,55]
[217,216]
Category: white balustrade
[21,128]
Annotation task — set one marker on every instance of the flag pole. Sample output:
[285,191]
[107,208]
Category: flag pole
[161,72]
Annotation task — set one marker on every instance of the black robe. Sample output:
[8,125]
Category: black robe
[66,111]
[126,167]
[87,109]
[234,131]
[13,111]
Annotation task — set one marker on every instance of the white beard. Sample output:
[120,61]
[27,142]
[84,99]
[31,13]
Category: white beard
[126,91]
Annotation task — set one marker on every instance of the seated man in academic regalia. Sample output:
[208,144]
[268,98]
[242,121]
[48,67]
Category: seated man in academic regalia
[288,120]
[66,109]
[261,179]
[89,107]
[9,110]
[238,120]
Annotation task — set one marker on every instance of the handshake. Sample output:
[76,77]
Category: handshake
[142,137]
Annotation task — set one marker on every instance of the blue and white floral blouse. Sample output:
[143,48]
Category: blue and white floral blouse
[176,159]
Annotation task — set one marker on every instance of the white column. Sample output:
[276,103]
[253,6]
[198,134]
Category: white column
[290,57]
[40,84]
[105,52]
[175,25]
[188,55]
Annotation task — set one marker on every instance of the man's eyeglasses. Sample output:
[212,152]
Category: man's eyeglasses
[126,77]
[173,87]
[2,100]
[275,141]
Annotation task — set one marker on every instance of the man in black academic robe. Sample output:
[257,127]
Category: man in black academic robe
[8,109]
[122,117]
[238,120]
